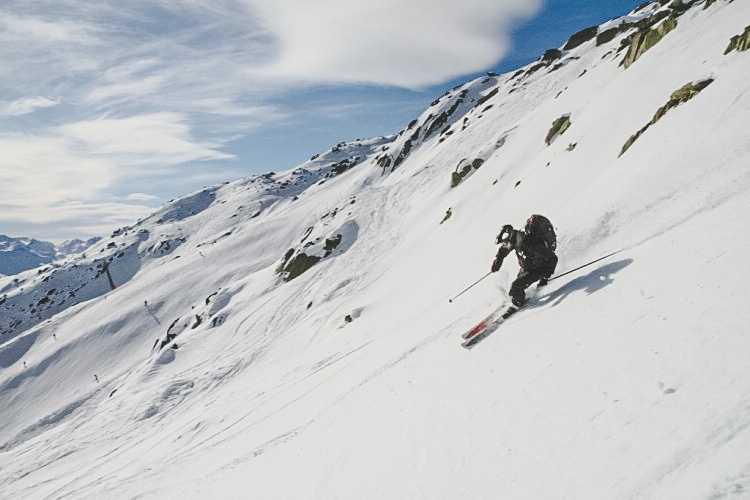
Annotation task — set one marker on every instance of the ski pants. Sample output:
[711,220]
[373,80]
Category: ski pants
[518,289]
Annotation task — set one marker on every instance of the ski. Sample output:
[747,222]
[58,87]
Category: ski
[489,329]
[482,325]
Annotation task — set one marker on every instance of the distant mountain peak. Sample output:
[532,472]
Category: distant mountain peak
[21,254]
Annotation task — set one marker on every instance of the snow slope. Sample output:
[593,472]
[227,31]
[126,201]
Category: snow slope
[207,373]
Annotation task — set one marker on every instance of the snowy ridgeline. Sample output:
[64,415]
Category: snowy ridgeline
[21,254]
[290,335]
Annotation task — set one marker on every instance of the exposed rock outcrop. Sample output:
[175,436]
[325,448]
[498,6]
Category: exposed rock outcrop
[298,261]
[581,37]
[559,127]
[648,36]
[463,169]
[683,94]
[739,43]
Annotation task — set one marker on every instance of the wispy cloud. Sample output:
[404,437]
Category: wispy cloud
[105,94]
[45,187]
[27,105]
[40,29]
[141,197]
[38,171]
[153,139]
[71,170]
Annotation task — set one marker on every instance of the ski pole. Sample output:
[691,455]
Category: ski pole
[470,287]
[581,267]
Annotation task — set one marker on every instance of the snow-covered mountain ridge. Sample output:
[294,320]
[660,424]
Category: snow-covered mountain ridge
[21,254]
[290,335]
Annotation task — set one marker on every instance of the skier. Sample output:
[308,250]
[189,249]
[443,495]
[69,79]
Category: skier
[535,248]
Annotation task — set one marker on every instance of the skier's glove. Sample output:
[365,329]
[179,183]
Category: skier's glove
[542,282]
[496,264]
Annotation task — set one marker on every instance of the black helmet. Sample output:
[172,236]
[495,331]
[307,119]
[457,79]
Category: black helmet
[505,233]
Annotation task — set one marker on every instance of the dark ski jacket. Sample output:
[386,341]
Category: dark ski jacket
[534,255]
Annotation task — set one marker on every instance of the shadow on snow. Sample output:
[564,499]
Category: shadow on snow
[591,283]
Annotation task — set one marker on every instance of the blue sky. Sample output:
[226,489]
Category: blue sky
[109,109]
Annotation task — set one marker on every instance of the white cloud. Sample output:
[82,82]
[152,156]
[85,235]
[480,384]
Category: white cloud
[126,89]
[149,87]
[27,105]
[390,42]
[72,219]
[43,31]
[157,139]
[141,197]
[69,171]
[49,192]
[164,54]
[38,172]
[41,52]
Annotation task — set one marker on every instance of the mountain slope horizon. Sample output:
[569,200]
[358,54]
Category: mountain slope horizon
[291,335]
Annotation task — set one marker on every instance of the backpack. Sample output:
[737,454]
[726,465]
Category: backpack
[539,226]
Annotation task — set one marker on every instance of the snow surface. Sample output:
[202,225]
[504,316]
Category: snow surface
[624,380]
